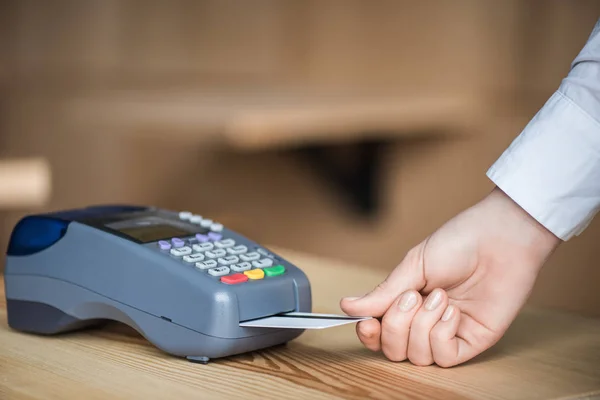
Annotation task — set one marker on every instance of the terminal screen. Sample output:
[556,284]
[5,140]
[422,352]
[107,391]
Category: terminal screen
[153,233]
[152,229]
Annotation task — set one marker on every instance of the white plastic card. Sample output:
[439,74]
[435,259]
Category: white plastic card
[300,320]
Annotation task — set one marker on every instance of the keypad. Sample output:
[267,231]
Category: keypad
[225,243]
[221,257]
[215,253]
[237,250]
[164,245]
[264,252]
[185,215]
[206,264]
[195,219]
[200,247]
[201,238]
[214,236]
[228,260]
[216,227]
[181,251]
[252,256]
[178,242]
[192,258]
[265,262]
[234,279]
[255,274]
[219,271]
[241,267]
[274,271]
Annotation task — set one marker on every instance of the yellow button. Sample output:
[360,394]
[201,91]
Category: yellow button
[255,274]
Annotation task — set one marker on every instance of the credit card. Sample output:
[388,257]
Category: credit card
[301,320]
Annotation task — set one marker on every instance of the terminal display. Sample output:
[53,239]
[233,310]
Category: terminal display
[153,233]
[153,229]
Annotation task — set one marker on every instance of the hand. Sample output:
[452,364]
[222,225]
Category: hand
[476,272]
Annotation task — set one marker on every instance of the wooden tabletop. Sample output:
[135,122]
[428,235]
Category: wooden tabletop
[544,355]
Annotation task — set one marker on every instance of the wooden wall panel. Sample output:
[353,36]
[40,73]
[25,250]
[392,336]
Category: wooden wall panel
[429,45]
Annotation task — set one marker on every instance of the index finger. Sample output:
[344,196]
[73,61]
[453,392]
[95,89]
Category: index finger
[407,275]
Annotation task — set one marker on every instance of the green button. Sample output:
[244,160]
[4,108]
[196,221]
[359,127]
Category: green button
[274,271]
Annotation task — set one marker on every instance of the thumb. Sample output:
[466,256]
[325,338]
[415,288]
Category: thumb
[409,274]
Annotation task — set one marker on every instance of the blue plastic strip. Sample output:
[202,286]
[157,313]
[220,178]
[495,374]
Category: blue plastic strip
[34,234]
[38,232]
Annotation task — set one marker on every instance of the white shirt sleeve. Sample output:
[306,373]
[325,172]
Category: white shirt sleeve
[552,169]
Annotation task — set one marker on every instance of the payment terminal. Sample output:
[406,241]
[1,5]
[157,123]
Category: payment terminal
[184,282]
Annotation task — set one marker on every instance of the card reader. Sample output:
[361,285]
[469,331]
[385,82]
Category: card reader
[181,280]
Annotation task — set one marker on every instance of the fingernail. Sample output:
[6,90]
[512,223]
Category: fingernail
[351,298]
[448,313]
[407,301]
[433,300]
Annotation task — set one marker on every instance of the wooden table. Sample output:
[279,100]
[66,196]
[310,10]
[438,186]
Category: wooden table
[544,355]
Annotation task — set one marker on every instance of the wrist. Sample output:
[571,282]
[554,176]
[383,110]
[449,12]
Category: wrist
[513,220]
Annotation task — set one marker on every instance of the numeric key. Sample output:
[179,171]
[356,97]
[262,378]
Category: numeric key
[228,260]
[241,267]
[225,243]
[200,247]
[206,264]
[252,256]
[237,250]
[219,271]
[265,262]
[192,258]
[216,253]
[181,251]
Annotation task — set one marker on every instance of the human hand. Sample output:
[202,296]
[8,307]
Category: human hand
[476,272]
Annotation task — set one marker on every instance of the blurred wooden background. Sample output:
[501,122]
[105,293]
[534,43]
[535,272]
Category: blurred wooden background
[184,104]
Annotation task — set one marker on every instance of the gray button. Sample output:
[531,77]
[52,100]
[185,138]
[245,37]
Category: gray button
[241,267]
[193,257]
[216,227]
[240,249]
[264,252]
[181,251]
[220,271]
[206,264]
[228,260]
[185,215]
[200,247]
[196,219]
[252,256]
[205,223]
[216,253]
[265,262]
[223,244]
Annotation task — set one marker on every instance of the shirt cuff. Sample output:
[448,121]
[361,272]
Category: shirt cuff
[552,169]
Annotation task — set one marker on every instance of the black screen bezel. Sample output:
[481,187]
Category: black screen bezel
[103,223]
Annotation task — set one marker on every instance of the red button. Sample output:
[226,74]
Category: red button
[234,279]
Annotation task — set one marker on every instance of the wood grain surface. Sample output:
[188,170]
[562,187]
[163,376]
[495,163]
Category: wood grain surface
[544,355]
